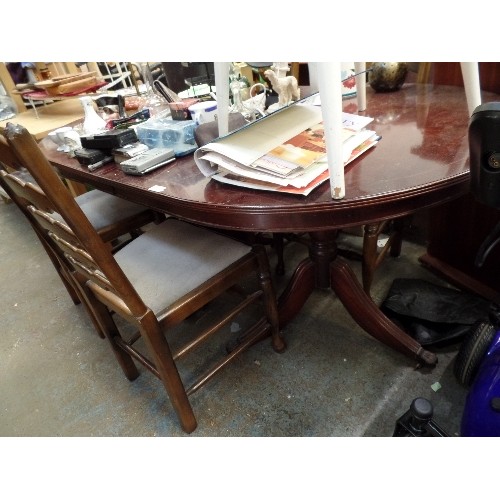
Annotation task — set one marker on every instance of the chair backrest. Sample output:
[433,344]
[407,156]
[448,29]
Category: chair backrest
[75,235]
[21,188]
[19,185]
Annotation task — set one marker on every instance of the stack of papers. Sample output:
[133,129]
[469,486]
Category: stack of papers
[279,154]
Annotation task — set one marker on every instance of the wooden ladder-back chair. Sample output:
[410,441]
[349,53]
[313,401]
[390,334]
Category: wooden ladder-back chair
[154,283]
[111,216]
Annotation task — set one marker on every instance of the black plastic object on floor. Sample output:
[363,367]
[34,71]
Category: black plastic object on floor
[433,314]
[418,422]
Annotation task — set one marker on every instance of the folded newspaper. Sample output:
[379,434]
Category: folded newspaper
[284,151]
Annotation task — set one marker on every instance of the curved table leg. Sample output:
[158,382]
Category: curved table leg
[369,317]
[297,291]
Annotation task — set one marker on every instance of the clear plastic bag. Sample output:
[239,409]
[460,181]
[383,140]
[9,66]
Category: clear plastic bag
[8,108]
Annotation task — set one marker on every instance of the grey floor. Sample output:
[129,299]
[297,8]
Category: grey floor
[57,378]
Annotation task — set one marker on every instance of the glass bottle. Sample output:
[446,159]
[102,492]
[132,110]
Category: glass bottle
[157,105]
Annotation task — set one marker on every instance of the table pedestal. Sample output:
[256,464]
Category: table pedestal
[324,269]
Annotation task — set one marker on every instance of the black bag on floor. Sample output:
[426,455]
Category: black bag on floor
[433,314]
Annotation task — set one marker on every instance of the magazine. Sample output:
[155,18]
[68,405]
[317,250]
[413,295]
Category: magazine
[283,152]
[318,176]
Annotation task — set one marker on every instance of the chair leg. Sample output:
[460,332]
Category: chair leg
[167,370]
[398,226]
[107,325]
[267,287]
[372,257]
[278,245]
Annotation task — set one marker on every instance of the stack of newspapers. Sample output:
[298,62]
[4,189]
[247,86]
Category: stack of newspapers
[283,152]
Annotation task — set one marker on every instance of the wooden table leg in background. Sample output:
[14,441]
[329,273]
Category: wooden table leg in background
[75,188]
[372,257]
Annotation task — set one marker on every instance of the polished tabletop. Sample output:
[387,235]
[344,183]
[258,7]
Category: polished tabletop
[421,160]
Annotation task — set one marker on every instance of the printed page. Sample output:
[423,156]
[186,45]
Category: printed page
[254,141]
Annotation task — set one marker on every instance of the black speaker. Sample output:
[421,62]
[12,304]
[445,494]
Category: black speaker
[484,148]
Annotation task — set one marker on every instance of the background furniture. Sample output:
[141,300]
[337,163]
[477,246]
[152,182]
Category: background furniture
[50,117]
[54,68]
[47,119]
[180,76]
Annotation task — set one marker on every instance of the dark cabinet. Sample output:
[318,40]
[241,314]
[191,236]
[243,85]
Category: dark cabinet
[456,230]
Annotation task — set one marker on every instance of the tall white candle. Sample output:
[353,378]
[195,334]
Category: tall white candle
[221,70]
[330,90]
[313,77]
[360,67]
[470,74]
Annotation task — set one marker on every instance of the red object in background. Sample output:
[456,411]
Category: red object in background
[42,94]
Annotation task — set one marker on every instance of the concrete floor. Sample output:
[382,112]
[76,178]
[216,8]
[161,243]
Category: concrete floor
[57,378]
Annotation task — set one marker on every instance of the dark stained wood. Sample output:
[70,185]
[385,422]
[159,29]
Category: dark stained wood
[368,315]
[456,231]
[421,162]
[449,73]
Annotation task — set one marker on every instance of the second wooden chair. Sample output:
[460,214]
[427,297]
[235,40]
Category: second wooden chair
[112,217]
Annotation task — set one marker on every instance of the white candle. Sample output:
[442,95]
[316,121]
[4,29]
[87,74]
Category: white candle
[221,70]
[330,90]
[360,67]
[470,74]
[313,77]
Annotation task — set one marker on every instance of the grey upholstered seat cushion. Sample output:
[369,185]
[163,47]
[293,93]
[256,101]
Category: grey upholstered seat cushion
[103,209]
[173,258]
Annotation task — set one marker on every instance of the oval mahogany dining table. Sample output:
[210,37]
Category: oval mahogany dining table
[421,161]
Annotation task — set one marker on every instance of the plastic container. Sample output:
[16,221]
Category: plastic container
[167,133]
[203,112]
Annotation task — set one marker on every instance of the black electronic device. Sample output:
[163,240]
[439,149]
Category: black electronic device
[110,139]
[484,150]
[92,158]
[127,121]
[484,146]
